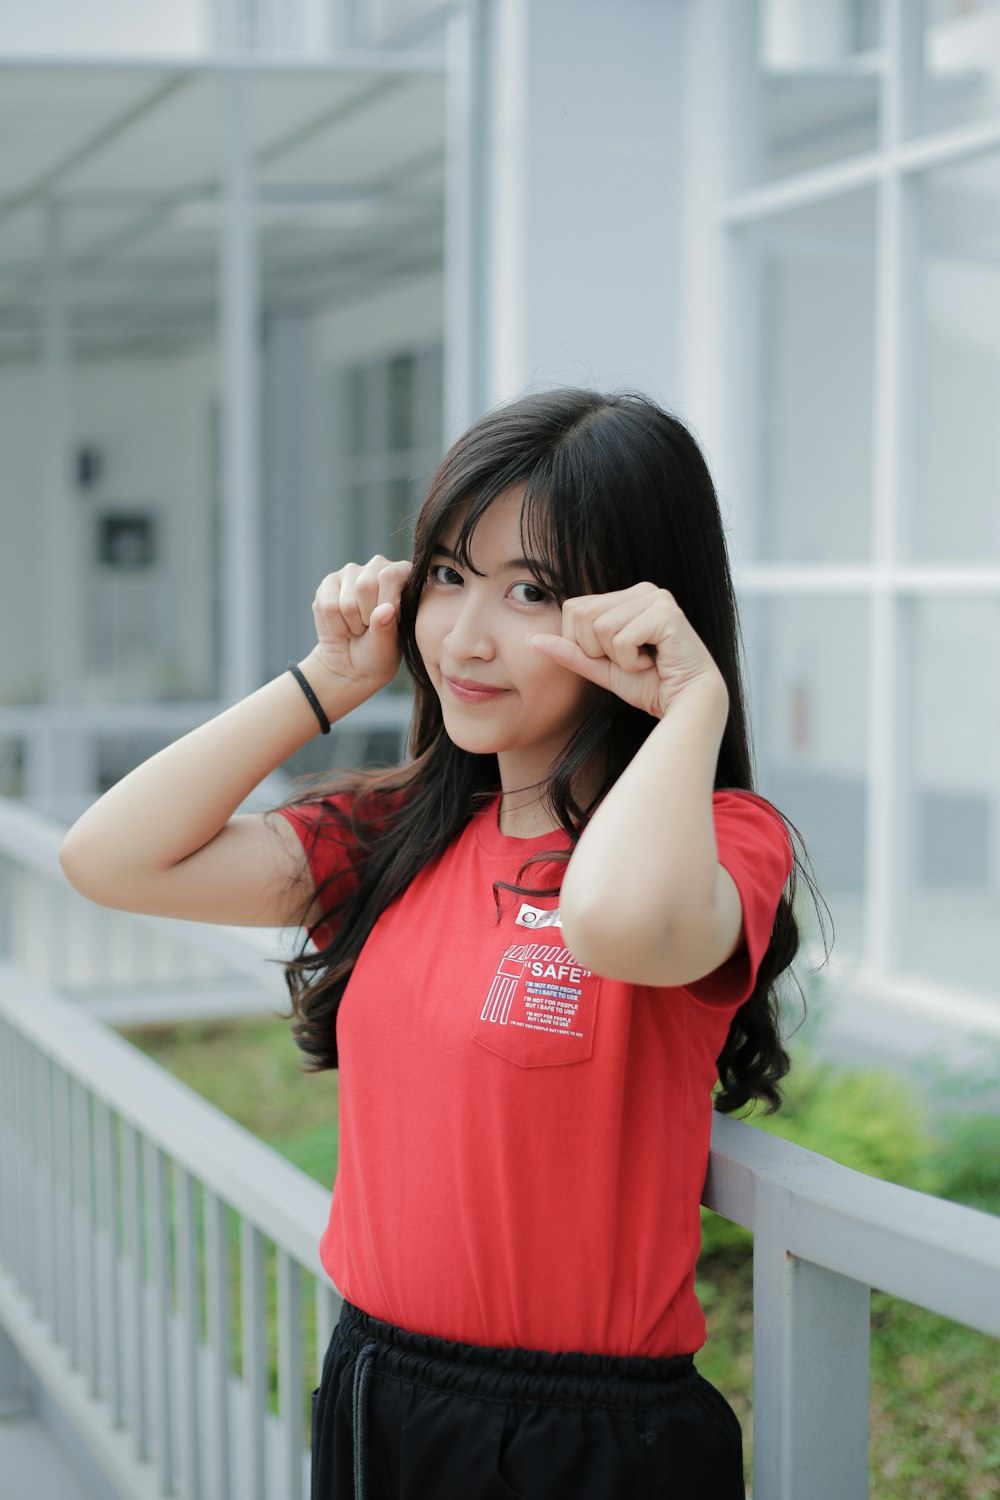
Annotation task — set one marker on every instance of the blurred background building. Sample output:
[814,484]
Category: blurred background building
[260,260]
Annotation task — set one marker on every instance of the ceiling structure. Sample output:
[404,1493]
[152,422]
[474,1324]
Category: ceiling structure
[111,188]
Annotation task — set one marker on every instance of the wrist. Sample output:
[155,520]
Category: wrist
[336,694]
[705,696]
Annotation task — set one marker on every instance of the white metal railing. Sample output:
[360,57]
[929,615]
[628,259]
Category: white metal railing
[116,1185]
[823,1237]
[122,965]
[131,1212]
[51,753]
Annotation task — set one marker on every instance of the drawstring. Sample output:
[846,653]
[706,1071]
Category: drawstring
[362,1372]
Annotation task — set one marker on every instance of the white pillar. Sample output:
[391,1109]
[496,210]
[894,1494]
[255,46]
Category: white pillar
[464,251]
[584,146]
[62,554]
[241,531]
[293,561]
[59,765]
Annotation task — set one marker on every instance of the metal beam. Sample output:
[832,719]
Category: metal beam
[49,179]
[346,61]
[152,218]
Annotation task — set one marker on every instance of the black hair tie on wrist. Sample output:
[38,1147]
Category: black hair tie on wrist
[317,707]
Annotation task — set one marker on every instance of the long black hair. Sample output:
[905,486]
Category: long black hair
[615,490]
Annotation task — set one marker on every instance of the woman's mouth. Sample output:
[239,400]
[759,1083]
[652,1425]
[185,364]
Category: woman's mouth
[474,692]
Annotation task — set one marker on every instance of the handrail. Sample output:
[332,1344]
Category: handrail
[32,841]
[175,715]
[130,1210]
[274,1196]
[939,1255]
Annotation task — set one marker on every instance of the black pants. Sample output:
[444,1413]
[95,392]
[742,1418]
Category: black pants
[403,1416]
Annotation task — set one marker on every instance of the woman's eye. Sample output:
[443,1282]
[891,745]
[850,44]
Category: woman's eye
[531,593]
[441,573]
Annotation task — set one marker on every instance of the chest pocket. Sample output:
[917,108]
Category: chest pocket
[540,1007]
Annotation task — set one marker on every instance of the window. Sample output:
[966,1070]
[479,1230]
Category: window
[388,416]
[864,172]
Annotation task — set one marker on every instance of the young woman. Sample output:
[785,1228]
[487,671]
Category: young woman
[538,946]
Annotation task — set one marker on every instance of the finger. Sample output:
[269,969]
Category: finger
[593,620]
[569,654]
[391,582]
[640,640]
[618,641]
[368,594]
[326,609]
[578,626]
[350,607]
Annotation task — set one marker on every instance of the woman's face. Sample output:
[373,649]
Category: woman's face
[498,695]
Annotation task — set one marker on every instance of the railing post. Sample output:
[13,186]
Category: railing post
[811,1362]
[218,1291]
[13,1389]
[253,1316]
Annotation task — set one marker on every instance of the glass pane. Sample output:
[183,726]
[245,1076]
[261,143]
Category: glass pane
[401,373]
[961,62]
[816,93]
[405,496]
[952,913]
[811,274]
[356,409]
[956,474]
[808,684]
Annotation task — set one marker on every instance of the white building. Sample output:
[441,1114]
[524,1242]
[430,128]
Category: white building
[260,260]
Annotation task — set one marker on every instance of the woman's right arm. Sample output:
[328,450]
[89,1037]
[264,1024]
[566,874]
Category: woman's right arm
[166,840]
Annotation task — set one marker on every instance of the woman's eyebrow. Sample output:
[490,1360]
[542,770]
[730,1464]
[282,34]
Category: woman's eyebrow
[507,567]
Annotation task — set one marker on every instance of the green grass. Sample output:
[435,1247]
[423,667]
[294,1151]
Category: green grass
[252,1071]
[935,1403]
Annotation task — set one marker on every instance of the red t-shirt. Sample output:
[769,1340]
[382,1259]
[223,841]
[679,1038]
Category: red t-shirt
[523,1144]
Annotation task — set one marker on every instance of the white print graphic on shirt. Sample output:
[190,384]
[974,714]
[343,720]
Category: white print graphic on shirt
[545,979]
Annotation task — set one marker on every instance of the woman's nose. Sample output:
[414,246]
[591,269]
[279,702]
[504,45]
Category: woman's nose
[469,635]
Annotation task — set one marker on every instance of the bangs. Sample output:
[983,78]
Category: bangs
[558,527]
[553,525]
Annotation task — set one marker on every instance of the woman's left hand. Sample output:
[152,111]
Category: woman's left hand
[637,643]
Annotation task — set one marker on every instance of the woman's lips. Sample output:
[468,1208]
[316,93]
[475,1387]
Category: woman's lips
[474,692]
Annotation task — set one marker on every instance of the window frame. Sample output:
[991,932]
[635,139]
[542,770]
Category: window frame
[725,44]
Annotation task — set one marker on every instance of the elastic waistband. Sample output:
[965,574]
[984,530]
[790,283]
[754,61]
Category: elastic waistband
[535,1376]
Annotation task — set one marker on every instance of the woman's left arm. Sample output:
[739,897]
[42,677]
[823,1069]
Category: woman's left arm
[644,898]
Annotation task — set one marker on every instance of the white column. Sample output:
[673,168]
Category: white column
[60,765]
[704,324]
[464,265]
[61,557]
[890,876]
[241,531]
[583,153]
[293,561]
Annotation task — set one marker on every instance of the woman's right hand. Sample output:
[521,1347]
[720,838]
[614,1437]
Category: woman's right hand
[356,612]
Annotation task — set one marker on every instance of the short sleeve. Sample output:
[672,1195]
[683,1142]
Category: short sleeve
[754,846]
[324,830]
